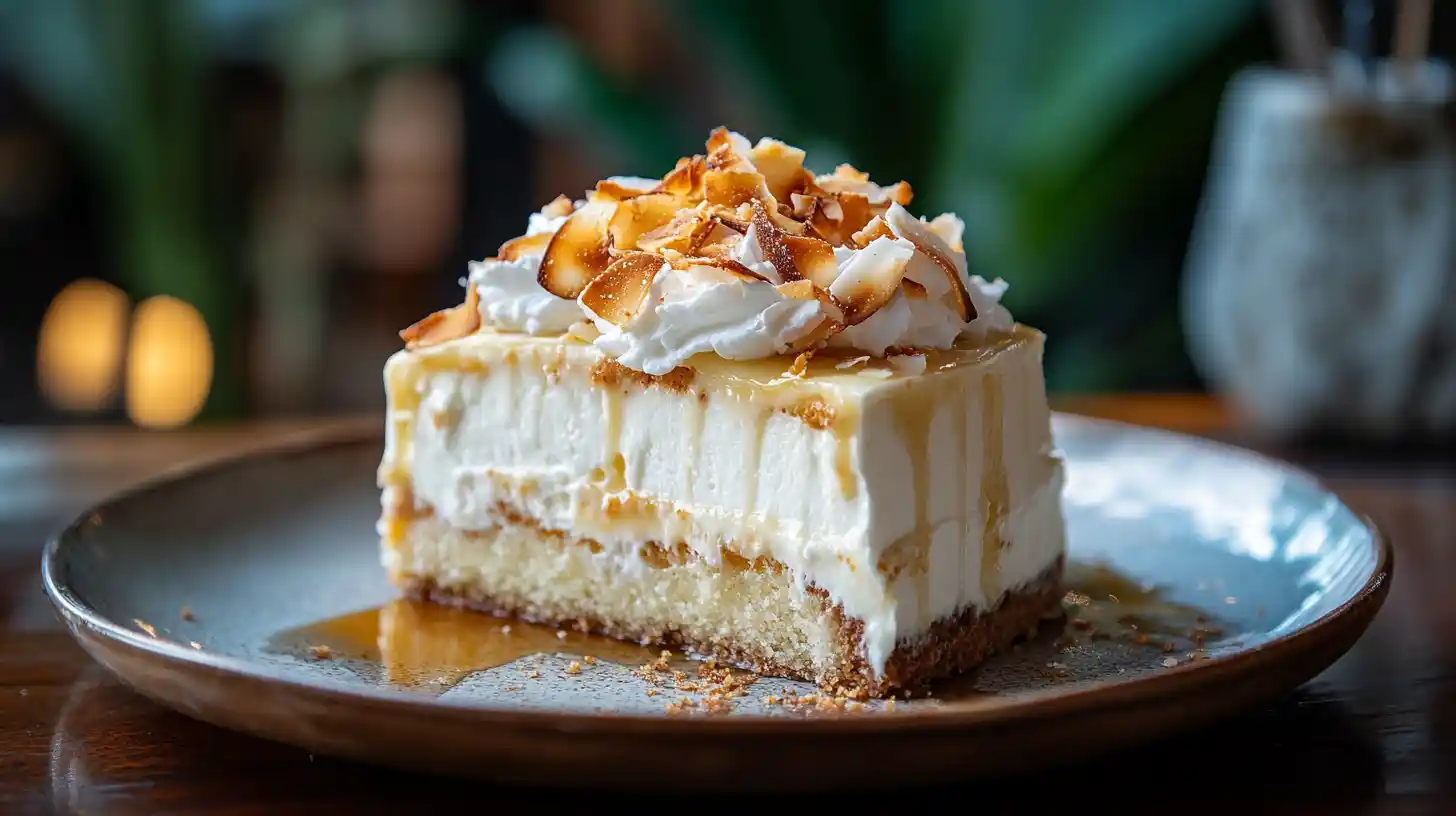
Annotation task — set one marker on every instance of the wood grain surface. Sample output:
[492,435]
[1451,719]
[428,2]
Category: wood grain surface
[1374,733]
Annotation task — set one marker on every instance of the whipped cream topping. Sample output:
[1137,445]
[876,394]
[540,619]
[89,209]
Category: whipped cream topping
[828,261]
[706,309]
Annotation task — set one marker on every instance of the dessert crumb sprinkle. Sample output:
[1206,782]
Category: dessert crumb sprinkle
[187,614]
[320,652]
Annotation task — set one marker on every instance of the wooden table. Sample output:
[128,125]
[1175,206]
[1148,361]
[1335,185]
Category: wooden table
[1377,731]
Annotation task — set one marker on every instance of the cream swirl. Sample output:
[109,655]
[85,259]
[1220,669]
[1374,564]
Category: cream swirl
[705,309]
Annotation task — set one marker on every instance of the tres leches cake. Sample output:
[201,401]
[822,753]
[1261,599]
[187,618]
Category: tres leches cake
[743,411]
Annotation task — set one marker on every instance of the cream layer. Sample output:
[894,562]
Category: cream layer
[906,497]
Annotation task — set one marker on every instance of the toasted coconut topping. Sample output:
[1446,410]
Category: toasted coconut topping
[876,228]
[615,190]
[616,295]
[733,186]
[728,265]
[724,140]
[846,179]
[838,216]
[740,209]
[950,229]
[560,207]
[782,168]
[732,222]
[929,244]
[446,324]
[806,290]
[686,179]
[687,228]
[579,250]
[871,278]
[794,257]
[517,248]
[641,215]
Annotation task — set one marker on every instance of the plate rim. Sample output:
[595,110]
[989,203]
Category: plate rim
[1055,702]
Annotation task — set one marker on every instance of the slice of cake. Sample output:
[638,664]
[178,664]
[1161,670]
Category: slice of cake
[743,411]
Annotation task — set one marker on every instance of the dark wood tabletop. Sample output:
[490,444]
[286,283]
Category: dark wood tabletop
[1374,733]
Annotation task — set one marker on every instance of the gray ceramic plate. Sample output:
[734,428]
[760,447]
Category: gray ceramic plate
[1203,580]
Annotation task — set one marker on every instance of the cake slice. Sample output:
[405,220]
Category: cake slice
[742,411]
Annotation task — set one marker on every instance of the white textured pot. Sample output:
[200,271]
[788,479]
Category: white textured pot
[1321,285]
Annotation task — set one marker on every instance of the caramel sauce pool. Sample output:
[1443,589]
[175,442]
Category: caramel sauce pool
[431,647]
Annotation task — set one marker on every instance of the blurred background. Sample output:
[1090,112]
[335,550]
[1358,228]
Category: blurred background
[223,209]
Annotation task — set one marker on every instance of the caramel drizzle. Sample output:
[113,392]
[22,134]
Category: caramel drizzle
[995,492]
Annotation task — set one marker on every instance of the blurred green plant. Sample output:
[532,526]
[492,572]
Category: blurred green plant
[1070,134]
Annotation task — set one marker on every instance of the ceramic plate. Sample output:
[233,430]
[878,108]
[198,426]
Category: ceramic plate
[1202,580]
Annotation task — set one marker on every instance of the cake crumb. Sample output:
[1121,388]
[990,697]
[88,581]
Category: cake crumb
[890,704]
[187,614]
[513,688]
[801,364]
[320,652]
[1170,662]
[591,661]
[574,668]
[505,630]
[533,674]
[561,634]
[652,692]
[194,644]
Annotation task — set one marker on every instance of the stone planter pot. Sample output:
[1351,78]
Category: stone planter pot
[1320,293]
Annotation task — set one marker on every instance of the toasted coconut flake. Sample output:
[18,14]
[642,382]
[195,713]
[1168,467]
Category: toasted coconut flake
[802,206]
[446,324]
[871,278]
[684,233]
[800,290]
[686,179]
[559,207]
[931,246]
[846,179]
[616,295]
[782,168]
[806,290]
[517,248]
[839,216]
[876,228]
[730,217]
[728,265]
[724,140]
[718,241]
[900,193]
[950,229]
[579,250]
[794,257]
[615,190]
[641,215]
[734,186]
